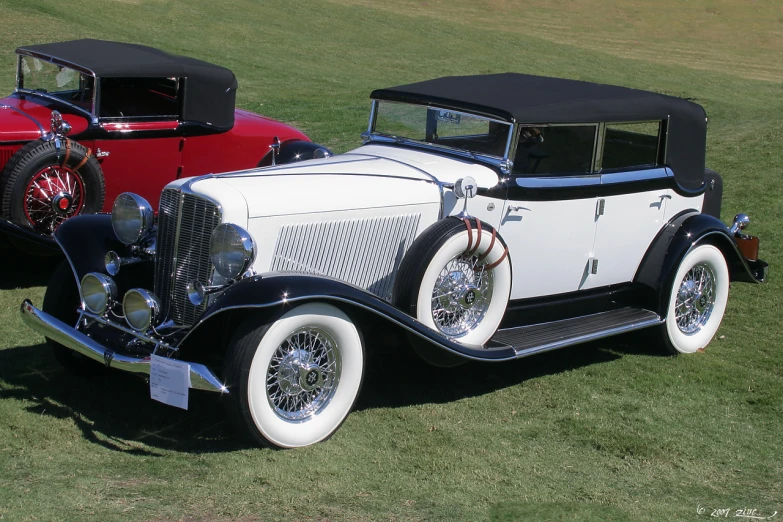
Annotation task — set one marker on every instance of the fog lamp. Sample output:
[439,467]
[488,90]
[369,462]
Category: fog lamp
[141,309]
[99,292]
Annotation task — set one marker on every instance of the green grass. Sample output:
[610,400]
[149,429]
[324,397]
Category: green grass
[606,431]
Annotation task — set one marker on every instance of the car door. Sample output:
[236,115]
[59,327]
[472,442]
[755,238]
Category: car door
[626,225]
[635,188]
[139,146]
[549,217]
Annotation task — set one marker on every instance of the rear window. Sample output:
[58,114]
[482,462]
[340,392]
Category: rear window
[139,98]
[555,150]
[629,145]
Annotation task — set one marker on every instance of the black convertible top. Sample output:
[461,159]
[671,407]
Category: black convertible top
[210,90]
[526,98]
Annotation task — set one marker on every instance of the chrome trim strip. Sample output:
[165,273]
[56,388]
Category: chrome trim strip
[201,377]
[609,178]
[590,180]
[37,123]
[558,181]
[590,337]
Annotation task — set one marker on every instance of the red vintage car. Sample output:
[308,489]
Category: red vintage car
[90,119]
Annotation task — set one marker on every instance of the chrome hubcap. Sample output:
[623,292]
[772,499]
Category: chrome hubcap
[461,296]
[303,374]
[695,299]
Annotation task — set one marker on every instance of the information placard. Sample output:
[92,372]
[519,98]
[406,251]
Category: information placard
[169,381]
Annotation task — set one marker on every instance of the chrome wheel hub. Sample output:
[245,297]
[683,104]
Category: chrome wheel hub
[695,299]
[303,374]
[461,296]
[62,202]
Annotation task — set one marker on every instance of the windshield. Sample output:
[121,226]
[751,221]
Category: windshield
[56,80]
[442,127]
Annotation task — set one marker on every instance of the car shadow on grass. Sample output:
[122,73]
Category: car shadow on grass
[398,377]
[114,410]
[23,269]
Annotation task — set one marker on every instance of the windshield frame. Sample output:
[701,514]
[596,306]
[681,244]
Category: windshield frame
[59,63]
[501,162]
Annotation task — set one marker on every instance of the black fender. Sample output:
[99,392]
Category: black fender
[295,150]
[85,240]
[271,295]
[686,230]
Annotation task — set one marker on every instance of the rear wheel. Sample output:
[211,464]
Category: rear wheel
[294,381]
[697,300]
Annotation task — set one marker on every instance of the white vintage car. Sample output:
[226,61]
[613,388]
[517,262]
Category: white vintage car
[487,217]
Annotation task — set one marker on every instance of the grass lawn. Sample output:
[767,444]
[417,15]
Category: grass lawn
[605,431]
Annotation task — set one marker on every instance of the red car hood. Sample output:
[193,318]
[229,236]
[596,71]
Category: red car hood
[249,123]
[26,118]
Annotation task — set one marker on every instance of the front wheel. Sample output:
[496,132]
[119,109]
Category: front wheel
[697,300]
[294,381]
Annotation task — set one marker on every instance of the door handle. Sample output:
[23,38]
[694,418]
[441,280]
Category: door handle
[665,196]
[516,208]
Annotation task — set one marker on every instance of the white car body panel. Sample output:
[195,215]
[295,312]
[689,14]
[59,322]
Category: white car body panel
[624,232]
[549,245]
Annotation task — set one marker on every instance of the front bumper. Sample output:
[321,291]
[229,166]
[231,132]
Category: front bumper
[201,377]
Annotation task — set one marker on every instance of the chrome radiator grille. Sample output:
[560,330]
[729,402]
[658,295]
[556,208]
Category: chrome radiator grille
[363,252]
[185,224]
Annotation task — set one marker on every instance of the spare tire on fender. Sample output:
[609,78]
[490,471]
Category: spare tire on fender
[456,279]
[42,185]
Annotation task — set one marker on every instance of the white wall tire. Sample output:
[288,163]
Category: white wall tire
[697,300]
[293,382]
[454,286]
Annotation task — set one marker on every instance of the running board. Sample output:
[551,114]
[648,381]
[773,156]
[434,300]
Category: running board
[536,338]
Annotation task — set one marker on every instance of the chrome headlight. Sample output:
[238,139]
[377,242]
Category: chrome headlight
[99,292]
[232,250]
[141,309]
[131,217]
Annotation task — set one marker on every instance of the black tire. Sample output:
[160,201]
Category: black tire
[73,173]
[62,301]
[260,359]
[478,308]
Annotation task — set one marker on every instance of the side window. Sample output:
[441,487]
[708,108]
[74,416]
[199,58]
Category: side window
[139,98]
[555,150]
[629,145]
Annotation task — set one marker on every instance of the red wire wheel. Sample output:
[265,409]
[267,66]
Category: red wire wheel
[42,185]
[52,195]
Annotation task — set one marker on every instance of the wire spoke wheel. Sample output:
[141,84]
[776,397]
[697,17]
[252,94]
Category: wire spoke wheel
[461,295]
[52,195]
[303,374]
[695,299]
